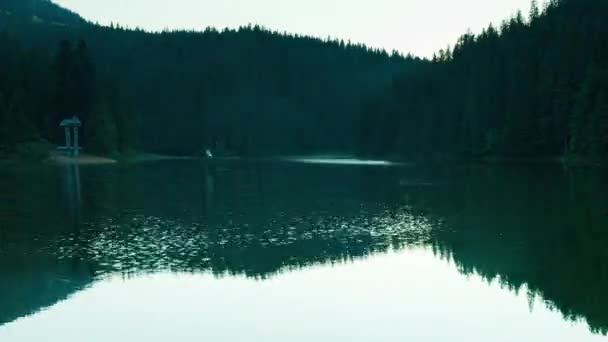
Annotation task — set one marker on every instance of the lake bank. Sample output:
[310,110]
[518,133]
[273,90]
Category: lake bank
[501,160]
[83,159]
[41,151]
[46,153]
[89,159]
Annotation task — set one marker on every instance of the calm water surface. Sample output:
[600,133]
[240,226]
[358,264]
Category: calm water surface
[302,251]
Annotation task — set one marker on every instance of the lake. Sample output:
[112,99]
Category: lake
[301,250]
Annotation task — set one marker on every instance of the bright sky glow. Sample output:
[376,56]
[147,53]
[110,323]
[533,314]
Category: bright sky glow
[417,26]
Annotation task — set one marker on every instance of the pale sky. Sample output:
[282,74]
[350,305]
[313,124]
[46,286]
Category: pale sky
[417,26]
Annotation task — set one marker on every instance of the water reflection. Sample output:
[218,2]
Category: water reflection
[549,233]
[539,231]
[207,189]
[364,301]
[72,190]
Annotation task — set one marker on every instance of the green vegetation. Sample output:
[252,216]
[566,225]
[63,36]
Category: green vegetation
[40,89]
[247,92]
[28,151]
[534,88]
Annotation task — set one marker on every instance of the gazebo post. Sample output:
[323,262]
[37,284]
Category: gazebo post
[68,137]
[76,148]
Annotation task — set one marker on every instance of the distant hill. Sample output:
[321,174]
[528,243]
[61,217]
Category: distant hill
[37,11]
[246,91]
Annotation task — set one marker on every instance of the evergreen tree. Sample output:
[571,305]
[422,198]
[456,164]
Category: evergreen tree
[534,11]
[84,80]
[533,88]
[63,71]
[101,130]
[601,112]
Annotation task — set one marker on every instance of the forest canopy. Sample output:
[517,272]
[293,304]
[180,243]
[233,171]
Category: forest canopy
[535,86]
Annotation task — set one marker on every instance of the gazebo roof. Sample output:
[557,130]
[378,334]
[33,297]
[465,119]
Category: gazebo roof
[74,121]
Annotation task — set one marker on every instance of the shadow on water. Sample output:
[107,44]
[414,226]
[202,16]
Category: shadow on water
[539,228]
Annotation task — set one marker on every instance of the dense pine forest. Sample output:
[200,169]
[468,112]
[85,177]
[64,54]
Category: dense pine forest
[534,87]
[248,91]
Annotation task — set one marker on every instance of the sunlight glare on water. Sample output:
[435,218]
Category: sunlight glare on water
[340,161]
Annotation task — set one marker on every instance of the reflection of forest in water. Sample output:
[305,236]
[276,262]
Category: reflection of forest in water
[536,225]
[533,226]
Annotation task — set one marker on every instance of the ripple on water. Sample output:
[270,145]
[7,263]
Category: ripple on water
[145,244]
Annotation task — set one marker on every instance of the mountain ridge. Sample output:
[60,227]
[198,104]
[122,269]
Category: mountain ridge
[39,11]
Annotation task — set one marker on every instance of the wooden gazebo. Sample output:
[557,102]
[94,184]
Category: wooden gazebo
[71,127]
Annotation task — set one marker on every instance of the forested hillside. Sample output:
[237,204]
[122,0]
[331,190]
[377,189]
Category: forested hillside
[537,86]
[249,91]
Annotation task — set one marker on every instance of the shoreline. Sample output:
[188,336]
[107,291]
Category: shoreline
[83,159]
[58,158]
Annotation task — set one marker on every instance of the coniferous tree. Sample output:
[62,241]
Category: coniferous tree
[528,89]
[63,66]
[601,110]
[101,131]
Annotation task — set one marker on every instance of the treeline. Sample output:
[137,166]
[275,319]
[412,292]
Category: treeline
[534,87]
[39,88]
[249,91]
